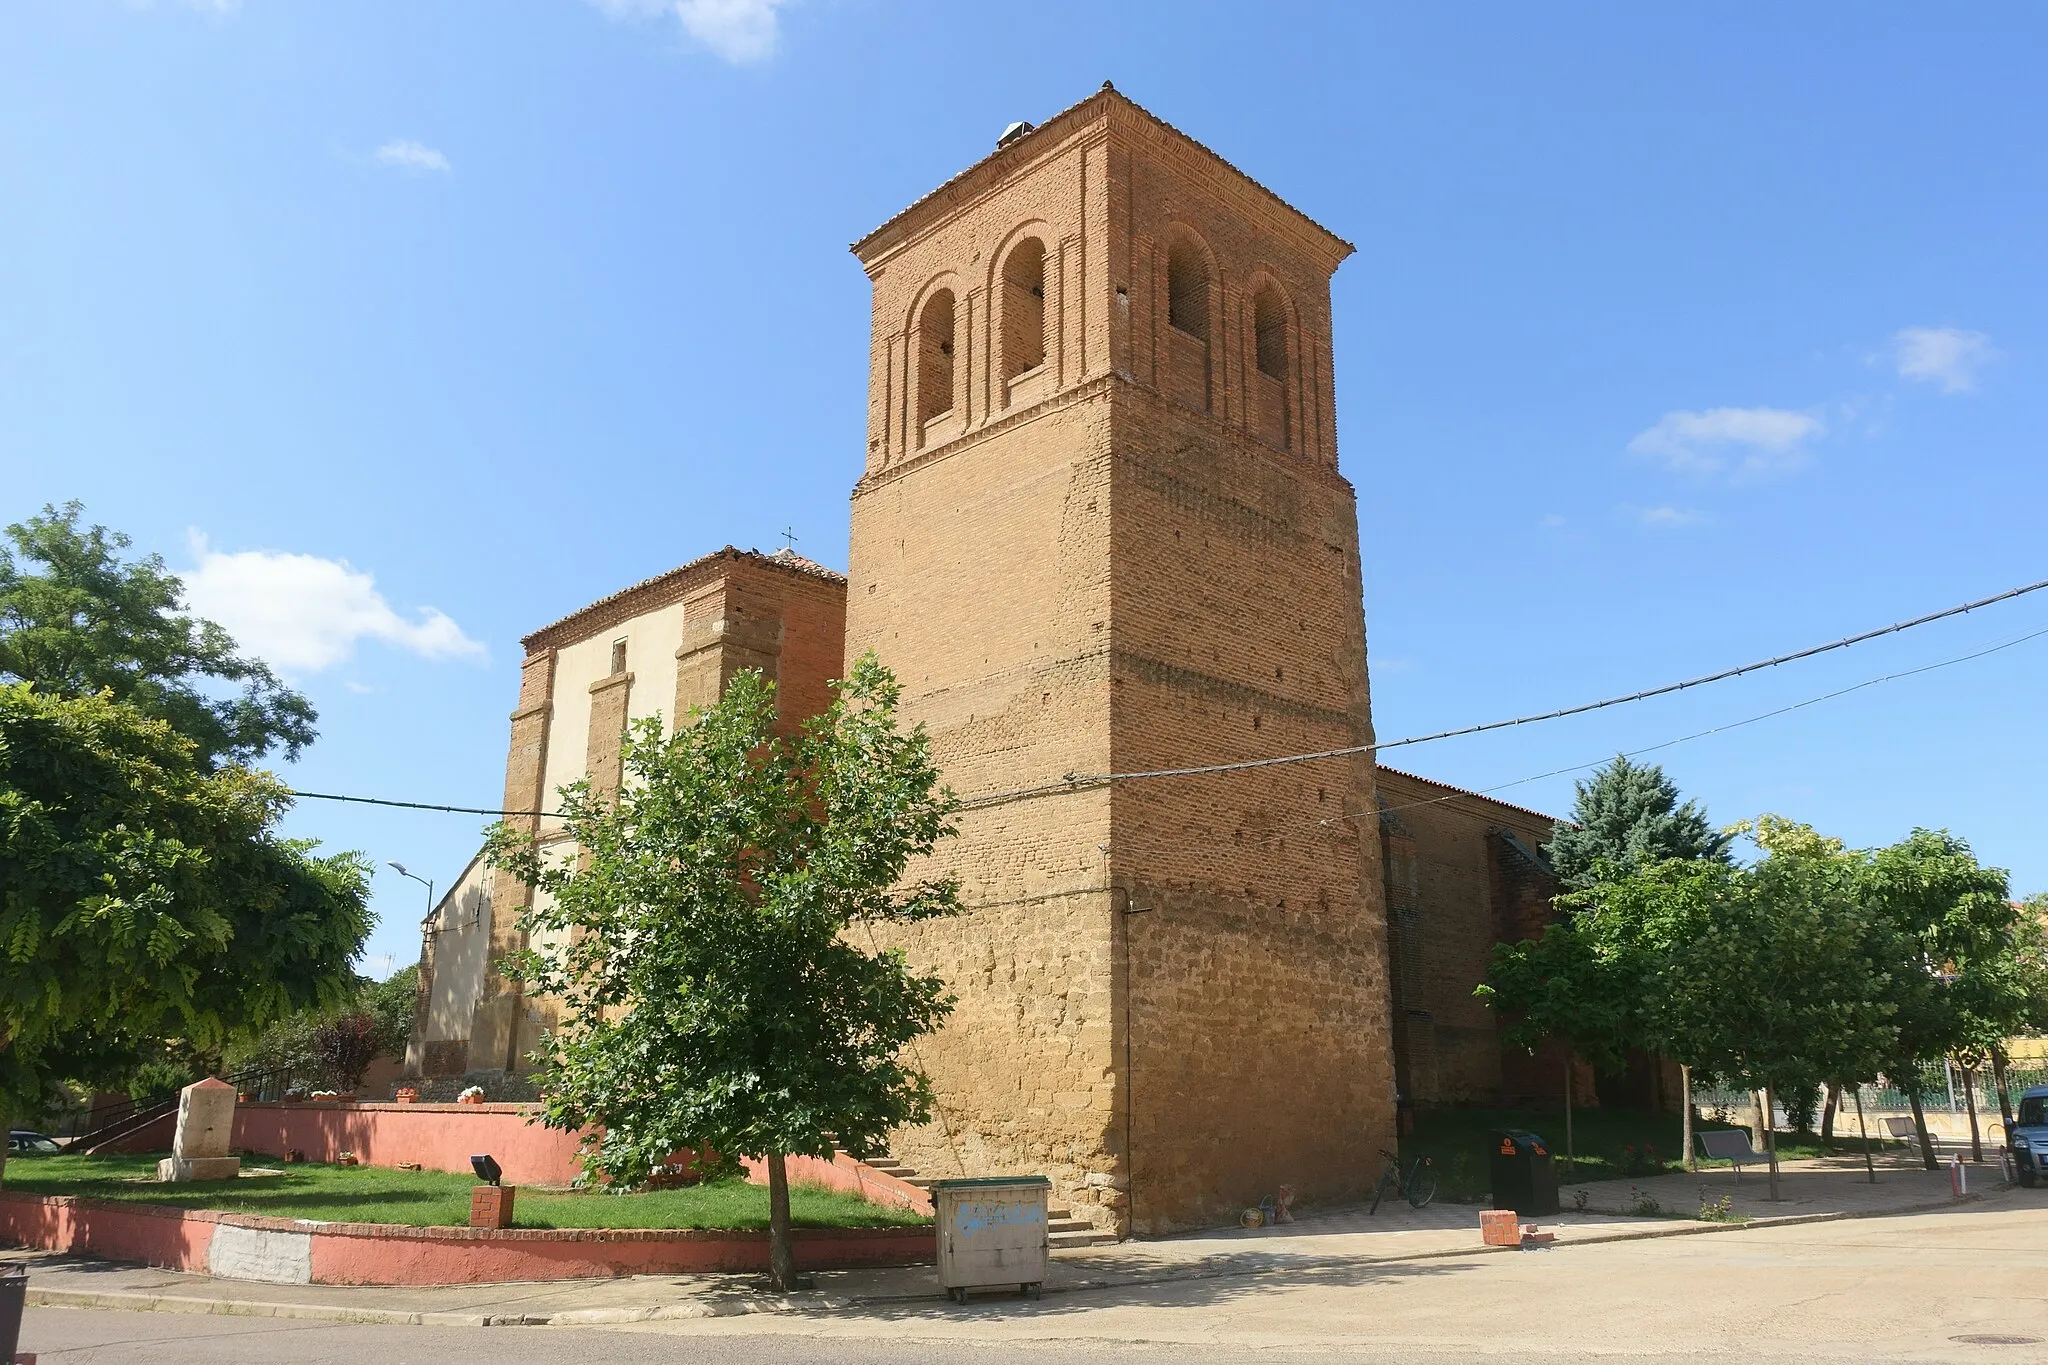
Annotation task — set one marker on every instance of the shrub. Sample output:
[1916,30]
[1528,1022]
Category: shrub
[345,1048]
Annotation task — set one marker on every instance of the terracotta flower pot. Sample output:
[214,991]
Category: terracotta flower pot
[406,1095]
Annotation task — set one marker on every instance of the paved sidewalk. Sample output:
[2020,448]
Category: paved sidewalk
[1814,1191]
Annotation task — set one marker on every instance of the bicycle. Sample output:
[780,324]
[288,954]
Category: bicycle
[1418,1187]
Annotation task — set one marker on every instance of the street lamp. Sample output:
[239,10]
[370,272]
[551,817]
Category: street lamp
[427,882]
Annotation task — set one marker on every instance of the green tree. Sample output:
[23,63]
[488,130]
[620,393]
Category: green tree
[1945,930]
[145,896]
[2017,991]
[392,1003]
[1627,816]
[715,955]
[88,622]
[1761,975]
[1561,985]
[290,1045]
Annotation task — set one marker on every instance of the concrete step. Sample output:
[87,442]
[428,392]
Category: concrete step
[1093,1237]
[1056,1225]
[886,1164]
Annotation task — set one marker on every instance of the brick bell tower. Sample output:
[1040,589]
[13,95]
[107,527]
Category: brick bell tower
[1101,529]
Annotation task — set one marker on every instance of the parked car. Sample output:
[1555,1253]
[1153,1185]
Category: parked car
[2030,1136]
[21,1142]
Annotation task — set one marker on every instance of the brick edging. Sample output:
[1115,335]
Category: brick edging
[298,1251]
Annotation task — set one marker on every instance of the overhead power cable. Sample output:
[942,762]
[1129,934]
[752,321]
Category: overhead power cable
[1723,728]
[417,805]
[1080,781]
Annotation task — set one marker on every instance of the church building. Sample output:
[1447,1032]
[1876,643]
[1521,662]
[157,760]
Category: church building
[1099,527]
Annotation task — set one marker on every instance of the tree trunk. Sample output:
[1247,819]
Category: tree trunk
[1568,1150]
[1863,1131]
[1970,1104]
[1758,1120]
[2004,1090]
[1685,1083]
[781,1247]
[1771,1142]
[1828,1110]
[1920,1126]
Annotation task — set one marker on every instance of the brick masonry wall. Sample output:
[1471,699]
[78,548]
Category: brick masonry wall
[1456,888]
[1258,980]
[738,609]
[1172,997]
[983,582]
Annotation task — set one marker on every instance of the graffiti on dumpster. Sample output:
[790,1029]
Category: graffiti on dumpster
[979,1217]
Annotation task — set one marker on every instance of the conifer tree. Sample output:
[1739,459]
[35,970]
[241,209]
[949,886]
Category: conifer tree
[1628,816]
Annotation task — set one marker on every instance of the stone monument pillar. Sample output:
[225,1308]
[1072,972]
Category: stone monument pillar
[206,1126]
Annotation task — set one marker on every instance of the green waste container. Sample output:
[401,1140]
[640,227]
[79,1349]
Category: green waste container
[1524,1173]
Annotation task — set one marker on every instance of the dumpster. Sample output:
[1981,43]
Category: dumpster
[992,1233]
[1524,1173]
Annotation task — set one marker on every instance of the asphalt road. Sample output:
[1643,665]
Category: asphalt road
[1891,1289]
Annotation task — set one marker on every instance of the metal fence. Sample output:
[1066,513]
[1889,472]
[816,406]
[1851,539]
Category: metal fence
[1940,1085]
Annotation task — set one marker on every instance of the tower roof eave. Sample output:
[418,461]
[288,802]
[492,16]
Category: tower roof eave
[985,171]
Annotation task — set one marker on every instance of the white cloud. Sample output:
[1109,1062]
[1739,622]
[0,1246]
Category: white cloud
[739,31]
[302,613]
[1948,356]
[1551,520]
[406,155]
[1746,443]
[1668,517]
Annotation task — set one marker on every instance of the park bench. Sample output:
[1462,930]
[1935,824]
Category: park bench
[1900,1128]
[1730,1145]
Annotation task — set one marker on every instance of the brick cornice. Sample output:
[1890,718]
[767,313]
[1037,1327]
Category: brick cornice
[669,588]
[1121,115]
[1100,386]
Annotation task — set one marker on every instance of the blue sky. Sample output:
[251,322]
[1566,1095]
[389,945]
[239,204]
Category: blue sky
[1676,337]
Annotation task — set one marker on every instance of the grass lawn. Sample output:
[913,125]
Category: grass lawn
[1460,1142]
[367,1194]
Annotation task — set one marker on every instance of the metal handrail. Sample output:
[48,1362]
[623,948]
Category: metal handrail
[133,1114]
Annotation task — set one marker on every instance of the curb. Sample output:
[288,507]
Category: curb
[741,1306]
[396,1317]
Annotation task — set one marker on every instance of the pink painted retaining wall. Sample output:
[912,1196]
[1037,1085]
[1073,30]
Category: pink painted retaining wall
[287,1251]
[440,1137]
[848,1176]
[175,1239]
[443,1137]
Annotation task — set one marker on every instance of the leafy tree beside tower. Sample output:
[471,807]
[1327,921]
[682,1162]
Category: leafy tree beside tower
[714,952]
